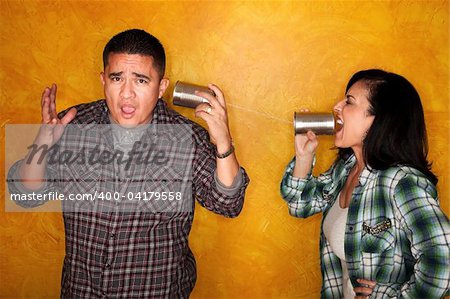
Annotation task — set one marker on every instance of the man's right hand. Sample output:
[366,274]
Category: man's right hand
[53,127]
[32,173]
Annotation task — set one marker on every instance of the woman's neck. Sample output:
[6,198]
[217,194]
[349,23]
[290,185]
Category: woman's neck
[360,162]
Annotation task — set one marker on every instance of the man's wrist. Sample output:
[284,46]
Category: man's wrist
[224,149]
[224,144]
[226,154]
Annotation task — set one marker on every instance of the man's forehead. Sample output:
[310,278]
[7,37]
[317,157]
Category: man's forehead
[119,60]
[129,54]
[119,57]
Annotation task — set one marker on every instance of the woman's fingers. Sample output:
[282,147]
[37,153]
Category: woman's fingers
[365,289]
[369,283]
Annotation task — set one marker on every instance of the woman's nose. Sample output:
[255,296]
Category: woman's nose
[338,107]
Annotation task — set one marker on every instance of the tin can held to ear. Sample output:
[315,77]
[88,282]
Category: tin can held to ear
[184,94]
[319,123]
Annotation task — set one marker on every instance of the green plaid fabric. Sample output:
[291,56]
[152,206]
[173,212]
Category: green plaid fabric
[396,233]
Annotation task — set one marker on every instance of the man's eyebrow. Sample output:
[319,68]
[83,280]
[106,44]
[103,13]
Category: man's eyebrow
[141,76]
[115,74]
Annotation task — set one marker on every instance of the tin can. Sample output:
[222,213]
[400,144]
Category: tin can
[184,94]
[319,123]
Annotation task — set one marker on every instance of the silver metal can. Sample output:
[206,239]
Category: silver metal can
[319,123]
[184,94]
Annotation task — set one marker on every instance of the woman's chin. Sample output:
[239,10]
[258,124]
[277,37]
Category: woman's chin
[337,143]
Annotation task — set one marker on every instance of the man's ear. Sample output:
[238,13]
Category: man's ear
[102,78]
[163,84]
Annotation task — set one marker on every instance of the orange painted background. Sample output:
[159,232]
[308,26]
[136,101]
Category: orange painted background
[270,58]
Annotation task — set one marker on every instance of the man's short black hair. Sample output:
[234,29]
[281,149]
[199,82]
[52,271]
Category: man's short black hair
[137,41]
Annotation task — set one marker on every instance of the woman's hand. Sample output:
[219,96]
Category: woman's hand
[305,145]
[365,290]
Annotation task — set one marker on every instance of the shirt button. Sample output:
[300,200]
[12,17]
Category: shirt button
[350,228]
[112,236]
[107,265]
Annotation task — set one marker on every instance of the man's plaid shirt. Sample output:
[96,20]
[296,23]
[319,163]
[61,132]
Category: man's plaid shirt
[396,233]
[139,254]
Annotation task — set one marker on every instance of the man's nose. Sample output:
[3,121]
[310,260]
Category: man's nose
[127,91]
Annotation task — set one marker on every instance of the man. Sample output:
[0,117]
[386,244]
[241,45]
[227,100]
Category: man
[133,253]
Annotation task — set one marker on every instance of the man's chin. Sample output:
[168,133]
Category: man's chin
[128,123]
[125,121]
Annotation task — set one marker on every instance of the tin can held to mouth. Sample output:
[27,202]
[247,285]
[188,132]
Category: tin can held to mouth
[184,94]
[319,123]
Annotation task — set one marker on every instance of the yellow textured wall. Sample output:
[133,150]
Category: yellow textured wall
[270,58]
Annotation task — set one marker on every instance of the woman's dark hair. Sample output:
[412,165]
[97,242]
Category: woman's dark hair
[398,134]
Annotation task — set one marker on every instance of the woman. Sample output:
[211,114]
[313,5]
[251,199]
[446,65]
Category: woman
[383,232]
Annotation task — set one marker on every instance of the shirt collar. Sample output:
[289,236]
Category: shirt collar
[349,163]
[160,113]
[365,174]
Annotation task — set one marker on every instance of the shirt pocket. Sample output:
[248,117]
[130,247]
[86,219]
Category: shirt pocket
[80,178]
[377,248]
[165,193]
[377,236]
[80,185]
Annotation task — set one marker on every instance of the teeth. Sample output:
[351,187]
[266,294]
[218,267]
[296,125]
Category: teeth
[339,121]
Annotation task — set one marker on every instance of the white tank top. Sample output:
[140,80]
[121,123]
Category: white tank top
[334,230]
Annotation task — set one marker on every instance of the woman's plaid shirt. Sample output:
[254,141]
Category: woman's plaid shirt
[137,254]
[396,233]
